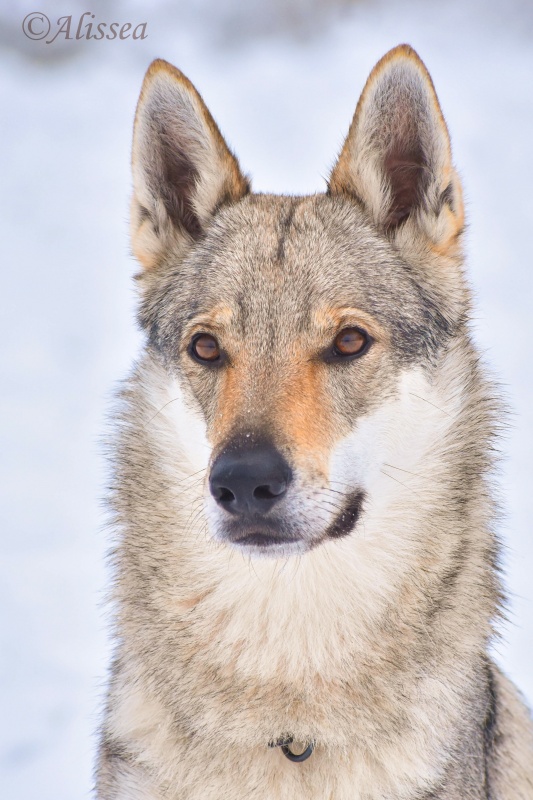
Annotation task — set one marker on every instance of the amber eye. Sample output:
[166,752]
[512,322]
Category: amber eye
[351,342]
[204,347]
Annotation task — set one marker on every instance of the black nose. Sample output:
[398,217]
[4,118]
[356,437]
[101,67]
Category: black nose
[249,481]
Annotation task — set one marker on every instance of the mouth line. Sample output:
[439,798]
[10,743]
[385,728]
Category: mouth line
[262,537]
[345,520]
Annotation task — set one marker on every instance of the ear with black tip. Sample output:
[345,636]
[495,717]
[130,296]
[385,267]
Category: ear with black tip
[183,171]
[396,159]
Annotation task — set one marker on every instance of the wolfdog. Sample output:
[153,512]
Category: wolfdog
[306,561]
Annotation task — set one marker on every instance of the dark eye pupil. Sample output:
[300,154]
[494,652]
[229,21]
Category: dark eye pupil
[206,348]
[350,341]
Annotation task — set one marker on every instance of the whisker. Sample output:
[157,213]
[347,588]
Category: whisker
[400,482]
[430,403]
[402,470]
[330,504]
[329,489]
[343,483]
[160,410]
[194,500]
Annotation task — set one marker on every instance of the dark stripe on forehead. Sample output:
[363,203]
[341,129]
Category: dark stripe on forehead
[284,228]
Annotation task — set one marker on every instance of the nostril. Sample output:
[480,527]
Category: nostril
[225,495]
[270,491]
[249,482]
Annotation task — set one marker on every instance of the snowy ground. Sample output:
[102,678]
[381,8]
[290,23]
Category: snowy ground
[283,87]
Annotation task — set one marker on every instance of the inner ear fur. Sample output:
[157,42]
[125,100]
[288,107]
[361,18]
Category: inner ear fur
[396,160]
[183,171]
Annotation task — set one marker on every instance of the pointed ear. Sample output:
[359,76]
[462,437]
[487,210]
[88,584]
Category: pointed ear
[183,170]
[396,160]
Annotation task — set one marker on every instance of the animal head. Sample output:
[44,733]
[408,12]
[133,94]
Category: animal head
[303,339]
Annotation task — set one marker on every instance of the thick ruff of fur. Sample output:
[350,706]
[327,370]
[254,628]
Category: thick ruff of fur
[372,644]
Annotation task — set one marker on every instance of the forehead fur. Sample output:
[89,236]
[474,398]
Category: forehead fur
[272,261]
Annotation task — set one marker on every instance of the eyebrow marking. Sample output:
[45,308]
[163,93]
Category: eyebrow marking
[330,319]
[216,318]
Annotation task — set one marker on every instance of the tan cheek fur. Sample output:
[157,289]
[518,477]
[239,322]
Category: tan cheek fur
[299,411]
[305,420]
[231,406]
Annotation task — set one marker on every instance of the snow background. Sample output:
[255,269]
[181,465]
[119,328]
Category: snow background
[282,79]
